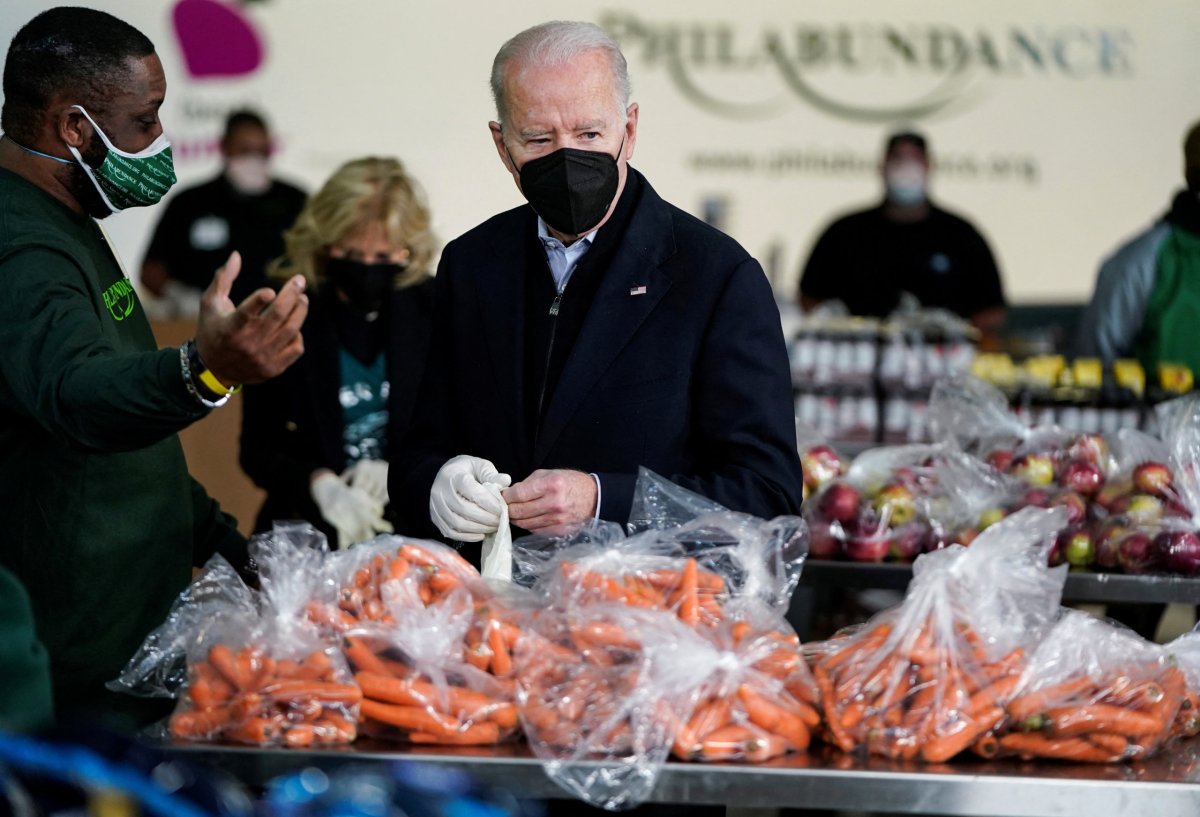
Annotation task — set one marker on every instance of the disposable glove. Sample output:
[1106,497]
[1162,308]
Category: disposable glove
[460,504]
[369,476]
[353,512]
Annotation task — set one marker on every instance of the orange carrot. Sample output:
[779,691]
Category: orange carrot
[1115,745]
[409,718]
[1031,745]
[363,657]
[199,723]
[1033,703]
[299,735]
[222,659]
[957,738]
[726,743]
[1068,721]
[710,716]
[320,690]
[474,735]
[255,730]
[991,695]
[502,664]
[774,718]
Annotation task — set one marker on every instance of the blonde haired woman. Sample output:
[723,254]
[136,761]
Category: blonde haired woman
[318,438]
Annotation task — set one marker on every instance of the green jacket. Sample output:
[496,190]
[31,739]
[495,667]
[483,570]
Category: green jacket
[1147,298]
[25,705]
[103,521]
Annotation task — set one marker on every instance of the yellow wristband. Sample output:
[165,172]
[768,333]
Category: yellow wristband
[215,386]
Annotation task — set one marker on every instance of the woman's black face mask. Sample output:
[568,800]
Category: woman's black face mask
[366,286]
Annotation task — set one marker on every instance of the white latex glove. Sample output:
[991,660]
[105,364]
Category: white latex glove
[460,505]
[370,476]
[353,512]
[497,556]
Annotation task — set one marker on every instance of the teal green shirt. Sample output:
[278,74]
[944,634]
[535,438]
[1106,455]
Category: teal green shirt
[102,521]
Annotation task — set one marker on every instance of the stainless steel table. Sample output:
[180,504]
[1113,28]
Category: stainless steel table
[1081,586]
[1165,786]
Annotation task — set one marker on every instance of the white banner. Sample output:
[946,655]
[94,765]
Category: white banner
[1056,127]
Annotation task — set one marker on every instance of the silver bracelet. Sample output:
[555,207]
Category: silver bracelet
[191,386]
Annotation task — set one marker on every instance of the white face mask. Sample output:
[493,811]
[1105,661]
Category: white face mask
[250,175]
[906,182]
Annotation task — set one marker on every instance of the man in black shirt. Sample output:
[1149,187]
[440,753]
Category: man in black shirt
[906,244]
[242,209]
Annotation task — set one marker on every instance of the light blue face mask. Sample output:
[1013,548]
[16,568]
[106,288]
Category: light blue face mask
[126,180]
[906,183]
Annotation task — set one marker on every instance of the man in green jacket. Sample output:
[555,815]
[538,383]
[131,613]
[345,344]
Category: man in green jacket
[103,523]
[1147,299]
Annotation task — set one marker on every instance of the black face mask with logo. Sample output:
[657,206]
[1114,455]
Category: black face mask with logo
[571,189]
[366,286]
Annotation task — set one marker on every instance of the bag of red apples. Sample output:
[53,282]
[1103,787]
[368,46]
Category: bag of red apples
[1052,467]
[820,461]
[1147,519]
[897,502]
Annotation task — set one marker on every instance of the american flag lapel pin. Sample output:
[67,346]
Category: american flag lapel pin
[638,290]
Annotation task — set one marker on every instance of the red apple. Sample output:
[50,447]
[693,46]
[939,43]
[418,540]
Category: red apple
[1137,554]
[1090,447]
[1075,504]
[1035,498]
[1179,551]
[870,547]
[908,543]
[840,501]
[1001,459]
[1035,469]
[895,504]
[821,464]
[824,539]
[1152,478]
[1108,540]
[1111,492]
[1083,476]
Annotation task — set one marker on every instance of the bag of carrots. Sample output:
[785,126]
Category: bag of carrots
[1186,651]
[257,671]
[429,640]
[350,594]
[601,690]
[928,678]
[693,570]
[755,698]
[1092,692]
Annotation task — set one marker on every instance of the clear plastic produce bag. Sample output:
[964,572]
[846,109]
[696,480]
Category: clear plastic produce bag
[1092,692]
[598,707]
[430,641]
[257,671]
[755,698]
[896,502]
[928,678]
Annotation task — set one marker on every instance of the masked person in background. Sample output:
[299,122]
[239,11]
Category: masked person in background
[866,259]
[319,438]
[595,330]
[242,209]
[1147,299]
[102,522]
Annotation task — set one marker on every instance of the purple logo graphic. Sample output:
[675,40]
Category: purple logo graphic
[217,40]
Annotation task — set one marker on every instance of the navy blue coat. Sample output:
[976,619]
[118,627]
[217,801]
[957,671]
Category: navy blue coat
[688,377]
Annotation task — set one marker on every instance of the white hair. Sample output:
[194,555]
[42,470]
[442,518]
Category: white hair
[555,43]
